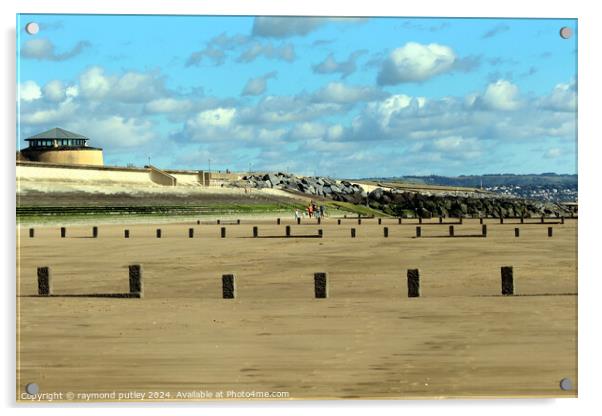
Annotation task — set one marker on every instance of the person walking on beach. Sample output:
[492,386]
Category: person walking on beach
[297,214]
[322,211]
[310,210]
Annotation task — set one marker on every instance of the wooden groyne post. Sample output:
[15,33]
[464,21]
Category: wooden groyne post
[228,286]
[507,280]
[321,285]
[44,281]
[413,283]
[136,284]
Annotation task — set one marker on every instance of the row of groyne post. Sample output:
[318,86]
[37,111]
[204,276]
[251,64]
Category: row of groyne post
[321,284]
[320,232]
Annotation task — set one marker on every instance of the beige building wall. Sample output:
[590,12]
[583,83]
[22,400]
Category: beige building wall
[66,156]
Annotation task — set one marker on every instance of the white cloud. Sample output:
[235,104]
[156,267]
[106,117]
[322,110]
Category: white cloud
[383,110]
[218,124]
[502,95]
[115,132]
[257,86]
[94,84]
[72,91]
[54,90]
[286,109]
[44,49]
[168,105]
[129,87]
[217,117]
[269,51]
[337,92]
[29,91]
[335,132]
[553,153]
[330,66]
[63,112]
[304,131]
[281,27]
[415,62]
[562,98]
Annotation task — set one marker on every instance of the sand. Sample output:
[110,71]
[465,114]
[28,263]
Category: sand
[366,340]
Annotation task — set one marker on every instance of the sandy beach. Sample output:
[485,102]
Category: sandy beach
[367,340]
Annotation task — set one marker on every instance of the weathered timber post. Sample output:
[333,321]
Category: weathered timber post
[413,283]
[136,283]
[321,285]
[228,286]
[507,281]
[44,281]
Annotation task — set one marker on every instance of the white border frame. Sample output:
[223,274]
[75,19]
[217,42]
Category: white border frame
[590,28]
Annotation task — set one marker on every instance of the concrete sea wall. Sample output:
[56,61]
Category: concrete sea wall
[88,174]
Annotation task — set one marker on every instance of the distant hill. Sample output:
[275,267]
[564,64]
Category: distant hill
[490,180]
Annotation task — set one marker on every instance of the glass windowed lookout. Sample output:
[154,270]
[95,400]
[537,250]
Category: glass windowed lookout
[60,146]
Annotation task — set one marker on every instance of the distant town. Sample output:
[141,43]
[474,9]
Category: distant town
[545,187]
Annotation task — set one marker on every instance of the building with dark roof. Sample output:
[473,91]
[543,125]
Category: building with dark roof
[60,146]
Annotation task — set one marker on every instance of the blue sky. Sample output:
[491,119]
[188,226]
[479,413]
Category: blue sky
[345,97]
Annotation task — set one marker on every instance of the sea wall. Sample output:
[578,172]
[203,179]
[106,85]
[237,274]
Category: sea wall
[98,175]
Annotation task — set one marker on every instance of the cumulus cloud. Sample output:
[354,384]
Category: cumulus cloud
[29,91]
[131,86]
[258,85]
[215,50]
[168,105]
[43,49]
[486,116]
[116,131]
[415,62]
[502,95]
[63,112]
[337,92]
[216,55]
[562,98]
[255,50]
[282,27]
[287,109]
[55,90]
[217,124]
[330,66]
